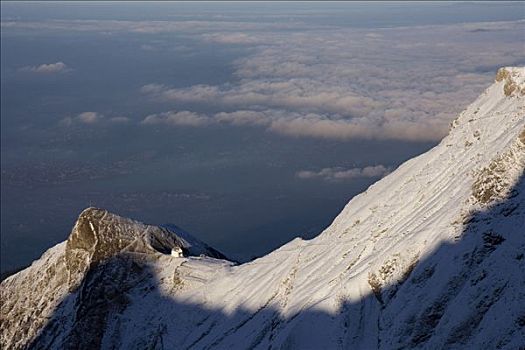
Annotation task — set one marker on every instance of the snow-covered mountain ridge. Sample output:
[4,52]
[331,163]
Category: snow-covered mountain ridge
[431,256]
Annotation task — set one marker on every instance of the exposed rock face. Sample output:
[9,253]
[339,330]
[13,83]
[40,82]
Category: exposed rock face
[495,181]
[99,235]
[431,256]
[104,257]
[513,81]
[30,297]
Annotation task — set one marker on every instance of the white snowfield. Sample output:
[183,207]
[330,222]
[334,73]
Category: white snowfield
[429,257]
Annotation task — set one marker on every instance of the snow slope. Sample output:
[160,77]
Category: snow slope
[431,256]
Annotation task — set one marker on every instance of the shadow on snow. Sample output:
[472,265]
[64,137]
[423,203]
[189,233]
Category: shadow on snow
[447,300]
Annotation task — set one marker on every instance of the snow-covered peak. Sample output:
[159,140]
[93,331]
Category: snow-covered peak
[431,256]
[99,235]
[488,127]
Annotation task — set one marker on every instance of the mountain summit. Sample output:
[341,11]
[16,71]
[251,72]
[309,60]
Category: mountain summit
[431,256]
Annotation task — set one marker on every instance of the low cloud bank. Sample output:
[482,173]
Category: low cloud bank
[403,83]
[342,174]
[92,118]
[47,68]
[183,118]
[311,80]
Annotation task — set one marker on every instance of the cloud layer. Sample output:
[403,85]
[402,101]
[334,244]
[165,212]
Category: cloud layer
[49,68]
[403,83]
[174,118]
[342,174]
[91,118]
[317,80]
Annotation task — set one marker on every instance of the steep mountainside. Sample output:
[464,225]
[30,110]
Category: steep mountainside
[431,256]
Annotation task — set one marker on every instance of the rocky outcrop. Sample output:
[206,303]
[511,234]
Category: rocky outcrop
[495,181]
[104,257]
[99,235]
[513,82]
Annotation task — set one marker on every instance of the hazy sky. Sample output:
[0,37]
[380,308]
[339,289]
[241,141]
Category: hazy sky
[247,124]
